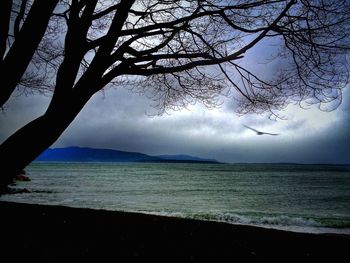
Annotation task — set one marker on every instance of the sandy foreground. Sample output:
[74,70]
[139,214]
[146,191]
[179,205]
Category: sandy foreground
[62,234]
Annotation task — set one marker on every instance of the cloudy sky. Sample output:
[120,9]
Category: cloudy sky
[119,119]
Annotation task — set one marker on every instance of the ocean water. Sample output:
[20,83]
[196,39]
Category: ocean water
[302,198]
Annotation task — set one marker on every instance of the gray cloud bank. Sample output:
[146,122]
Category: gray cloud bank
[119,120]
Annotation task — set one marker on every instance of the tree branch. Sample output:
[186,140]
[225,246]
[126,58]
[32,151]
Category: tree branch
[133,70]
[19,18]
[5,14]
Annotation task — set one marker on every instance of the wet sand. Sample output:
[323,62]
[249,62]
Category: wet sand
[62,234]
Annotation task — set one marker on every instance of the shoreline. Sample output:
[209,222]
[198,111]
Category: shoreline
[287,228]
[47,232]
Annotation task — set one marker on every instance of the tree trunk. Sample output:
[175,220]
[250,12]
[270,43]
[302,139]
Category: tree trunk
[29,142]
[26,43]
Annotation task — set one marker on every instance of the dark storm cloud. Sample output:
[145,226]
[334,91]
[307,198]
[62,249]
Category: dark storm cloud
[119,120]
[20,110]
[124,125]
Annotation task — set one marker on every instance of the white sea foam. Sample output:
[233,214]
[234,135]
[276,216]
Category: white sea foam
[280,222]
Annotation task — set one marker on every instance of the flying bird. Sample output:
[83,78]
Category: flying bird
[259,132]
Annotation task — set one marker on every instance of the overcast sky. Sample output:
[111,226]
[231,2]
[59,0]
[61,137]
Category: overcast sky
[119,119]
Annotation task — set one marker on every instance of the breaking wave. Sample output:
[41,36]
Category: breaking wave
[282,222]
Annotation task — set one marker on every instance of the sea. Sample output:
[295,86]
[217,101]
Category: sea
[300,198]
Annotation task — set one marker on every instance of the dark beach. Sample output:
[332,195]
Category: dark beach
[63,234]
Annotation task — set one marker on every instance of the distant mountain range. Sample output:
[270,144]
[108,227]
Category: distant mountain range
[85,154]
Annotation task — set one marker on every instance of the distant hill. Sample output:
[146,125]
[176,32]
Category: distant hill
[183,157]
[85,154]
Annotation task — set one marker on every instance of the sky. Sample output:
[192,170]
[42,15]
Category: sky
[119,119]
[122,120]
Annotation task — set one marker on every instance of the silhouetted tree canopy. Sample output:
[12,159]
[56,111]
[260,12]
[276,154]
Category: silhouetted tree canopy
[185,51]
[169,43]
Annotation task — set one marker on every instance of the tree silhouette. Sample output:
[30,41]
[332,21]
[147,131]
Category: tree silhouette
[22,28]
[184,51]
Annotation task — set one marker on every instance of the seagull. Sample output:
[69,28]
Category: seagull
[260,132]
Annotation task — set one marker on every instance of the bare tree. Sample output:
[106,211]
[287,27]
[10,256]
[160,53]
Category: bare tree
[22,27]
[188,50]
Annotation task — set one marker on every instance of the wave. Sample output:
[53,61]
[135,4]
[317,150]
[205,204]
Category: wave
[283,222]
[279,220]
